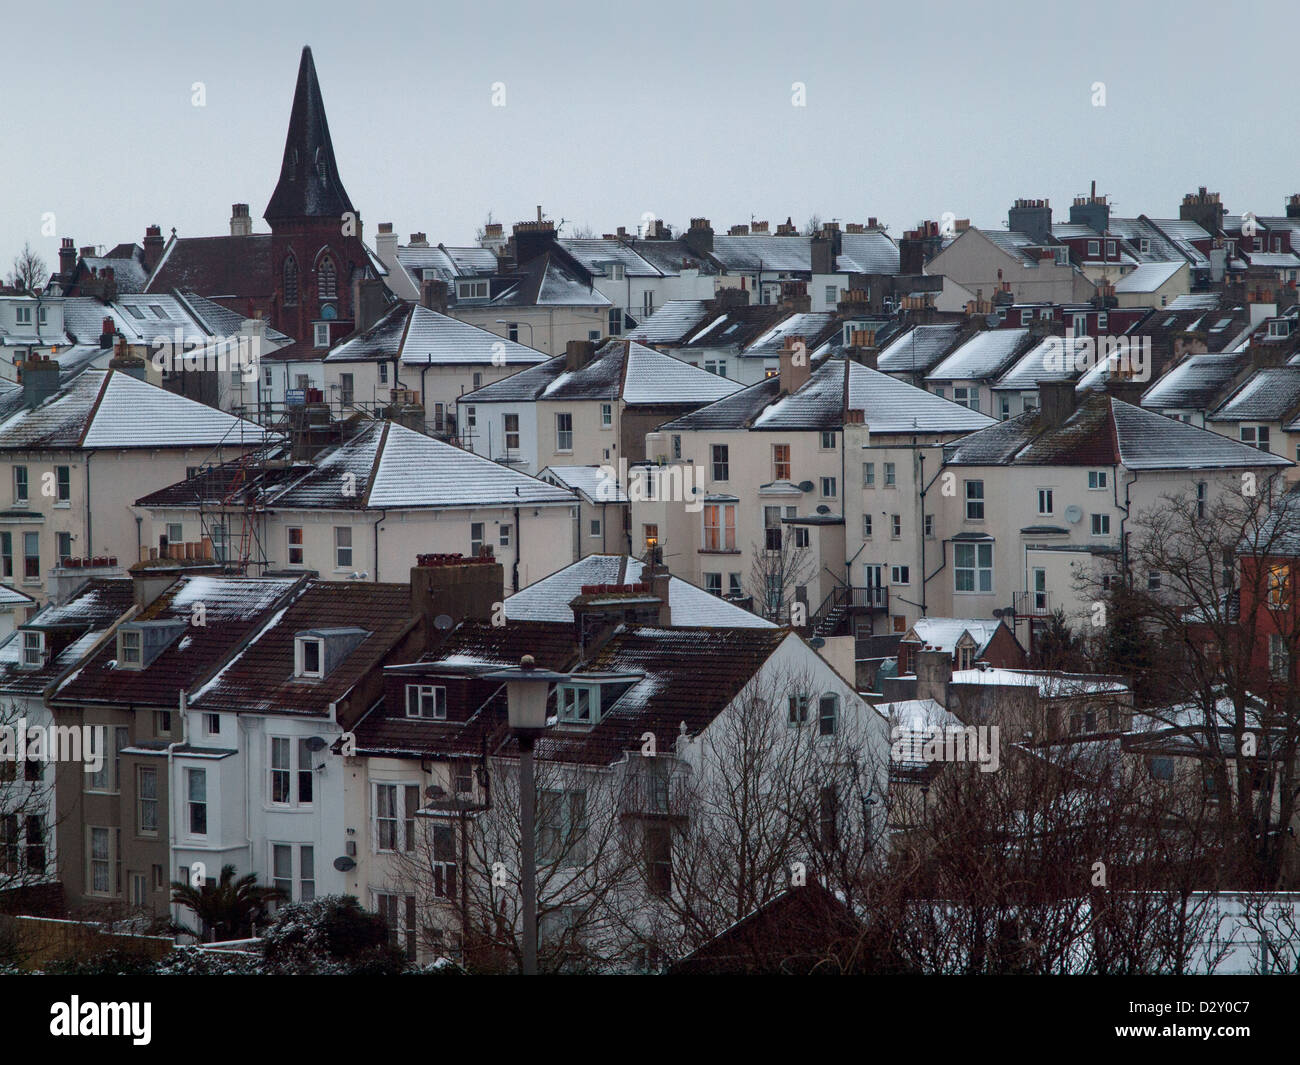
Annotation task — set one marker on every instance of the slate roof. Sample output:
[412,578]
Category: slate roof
[943,633]
[446,264]
[1267,395]
[110,409]
[594,252]
[218,267]
[145,317]
[1195,383]
[671,256]
[82,618]
[309,184]
[747,254]
[984,355]
[733,328]
[390,466]
[814,326]
[586,481]
[620,368]
[1052,359]
[889,405]
[1148,277]
[127,263]
[423,337]
[867,253]
[259,677]
[547,282]
[1105,431]
[670,323]
[549,598]
[919,350]
[235,607]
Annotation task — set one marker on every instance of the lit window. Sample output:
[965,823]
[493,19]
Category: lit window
[295,546]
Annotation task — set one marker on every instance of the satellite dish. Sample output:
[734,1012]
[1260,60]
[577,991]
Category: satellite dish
[806,486]
[443,621]
[816,641]
[1074,513]
[998,612]
[315,743]
[822,508]
[343,863]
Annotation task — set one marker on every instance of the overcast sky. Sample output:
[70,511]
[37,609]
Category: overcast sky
[613,111]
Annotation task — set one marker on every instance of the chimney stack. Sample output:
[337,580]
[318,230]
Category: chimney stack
[241,225]
[1205,209]
[577,353]
[153,247]
[1033,218]
[933,672]
[795,365]
[67,259]
[532,239]
[386,243]
[1057,400]
[455,587]
[433,295]
[40,380]
[699,238]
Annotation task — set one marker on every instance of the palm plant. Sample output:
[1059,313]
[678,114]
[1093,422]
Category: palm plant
[227,908]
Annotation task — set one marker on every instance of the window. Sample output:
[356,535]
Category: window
[503,535]
[829,487]
[290,281]
[100,861]
[476,538]
[20,484]
[974,500]
[780,462]
[383,373]
[398,912]
[1101,525]
[713,583]
[282,871]
[1044,501]
[320,336]
[1144,245]
[929,526]
[721,464]
[659,859]
[1096,480]
[347,392]
[866,526]
[561,826]
[1040,589]
[900,575]
[579,704]
[973,567]
[1279,581]
[828,441]
[108,778]
[832,294]
[162,722]
[650,534]
[1279,657]
[343,547]
[1153,580]
[967,397]
[615,325]
[310,657]
[607,415]
[146,801]
[720,527]
[175,532]
[802,536]
[868,475]
[445,865]
[595,527]
[677,445]
[512,332]
[6,554]
[129,647]
[828,713]
[1094,247]
[734,589]
[295,545]
[285,771]
[1255,435]
[895,526]
[31,556]
[63,484]
[511,422]
[891,478]
[716,366]
[1200,498]
[212,722]
[327,279]
[196,791]
[33,650]
[564,432]
[426,700]
[797,710]
[395,807]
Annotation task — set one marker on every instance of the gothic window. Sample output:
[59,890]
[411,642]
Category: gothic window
[327,279]
[290,281]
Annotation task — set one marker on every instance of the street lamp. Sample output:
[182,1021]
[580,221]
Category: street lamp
[527,689]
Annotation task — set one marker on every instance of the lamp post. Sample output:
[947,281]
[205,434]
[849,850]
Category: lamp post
[527,689]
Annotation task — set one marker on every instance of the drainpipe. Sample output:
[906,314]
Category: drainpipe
[90,543]
[173,791]
[376,558]
[519,547]
[920,455]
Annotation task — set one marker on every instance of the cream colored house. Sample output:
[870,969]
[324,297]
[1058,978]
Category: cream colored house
[985,261]
[75,458]
[366,508]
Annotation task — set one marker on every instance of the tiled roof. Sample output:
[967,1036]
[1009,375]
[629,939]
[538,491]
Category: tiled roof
[109,409]
[744,254]
[595,252]
[984,355]
[814,327]
[586,480]
[446,264]
[409,470]
[1270,394]
[218,267]
[1195,383]
[423,337]
[1148,277]
[733,328]
[234,609]
[549,598]
[867,253]
[919,350]
[943,633]
[1105,431]
[1052,359]
[670,323]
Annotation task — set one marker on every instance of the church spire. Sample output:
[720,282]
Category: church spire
[309,185]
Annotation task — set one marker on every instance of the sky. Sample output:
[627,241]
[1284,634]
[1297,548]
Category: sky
[614,112]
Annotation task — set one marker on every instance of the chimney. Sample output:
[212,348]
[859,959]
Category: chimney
[386,243]
[599,609]
[67,259]
[1205,209]
[699,238]
[1056,402]
[1292,206]
[794,297]
[577,353]
[725,299]
[368,303]
[660,581]
[911,255]
[787,228]
[241,225]
[825,249]
[1033,218]
[110,285]
[418,240]
[107,331]
[151,577]
[1126,390]
[532,239]
[933,672]
[40,380]
[153,247]
[1092,211]
[455,587]
[795,368]
[433,295]
[862,348]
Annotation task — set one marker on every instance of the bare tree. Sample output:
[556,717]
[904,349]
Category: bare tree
[29,270]
[779,569]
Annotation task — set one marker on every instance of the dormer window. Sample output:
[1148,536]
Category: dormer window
[472,290]
[33,650]
[578,705]
[427,701]
[310,657]
[128,647]
[140,642]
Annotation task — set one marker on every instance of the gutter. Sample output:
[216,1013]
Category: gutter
[376,528]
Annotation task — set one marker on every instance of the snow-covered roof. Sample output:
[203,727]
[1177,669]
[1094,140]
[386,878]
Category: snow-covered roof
[549,598]
[984,355]
[1050,685]
[589,481]
[943,633]
[109,409]
[919,349]
[670,323]
[1148,277]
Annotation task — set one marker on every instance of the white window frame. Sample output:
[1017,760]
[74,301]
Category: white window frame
[300,657]
[430,697]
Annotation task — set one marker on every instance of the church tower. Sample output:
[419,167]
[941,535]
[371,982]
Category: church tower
[316,249]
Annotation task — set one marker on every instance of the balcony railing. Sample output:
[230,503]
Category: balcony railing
[848,600]
[1032,604]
